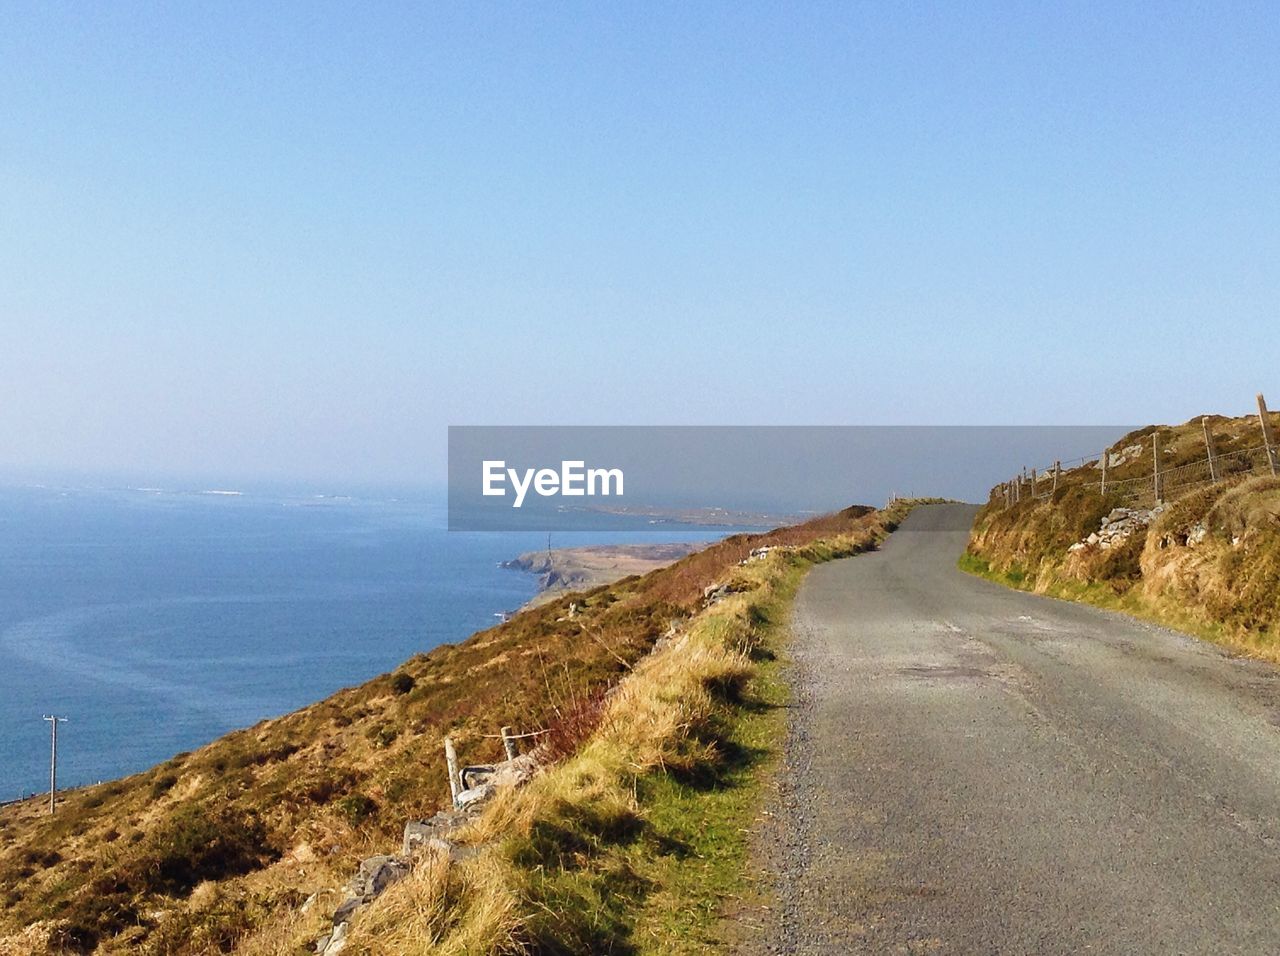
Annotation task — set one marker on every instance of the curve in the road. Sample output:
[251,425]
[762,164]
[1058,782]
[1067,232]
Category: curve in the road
[972,769]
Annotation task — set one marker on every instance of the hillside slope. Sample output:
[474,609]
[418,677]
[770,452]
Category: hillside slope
[1206,558]
[223,844]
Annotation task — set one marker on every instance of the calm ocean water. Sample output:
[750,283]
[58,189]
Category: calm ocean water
[157,620]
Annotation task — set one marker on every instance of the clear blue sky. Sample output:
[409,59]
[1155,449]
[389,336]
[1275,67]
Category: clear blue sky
[300,240]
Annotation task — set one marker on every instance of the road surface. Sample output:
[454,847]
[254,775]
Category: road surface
[975,770]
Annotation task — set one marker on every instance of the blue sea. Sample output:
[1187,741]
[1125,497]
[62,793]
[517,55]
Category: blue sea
[157,619]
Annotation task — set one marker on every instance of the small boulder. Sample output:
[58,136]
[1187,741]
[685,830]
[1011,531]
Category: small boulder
[344,912]
[474,796]
[714,593]
[335,942]
[435,833]
[376,873]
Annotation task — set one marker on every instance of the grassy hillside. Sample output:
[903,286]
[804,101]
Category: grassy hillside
[637,840]
[1208,561]
[215,850]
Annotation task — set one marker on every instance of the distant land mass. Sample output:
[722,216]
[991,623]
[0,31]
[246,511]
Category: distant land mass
[711,517]
[563,570]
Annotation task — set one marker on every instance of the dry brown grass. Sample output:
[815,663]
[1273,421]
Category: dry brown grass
[305,796]
[1222,584]
[444,908]
[493,902]
[554,871]
[1232,577]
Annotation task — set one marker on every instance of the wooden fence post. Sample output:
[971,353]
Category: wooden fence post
[1033,484]
[509,743]
[1155,451]
[1057,470]
[1267,438]
[451,761]
[1213,454]
[1104,471]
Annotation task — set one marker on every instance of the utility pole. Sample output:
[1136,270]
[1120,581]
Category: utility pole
[53,757]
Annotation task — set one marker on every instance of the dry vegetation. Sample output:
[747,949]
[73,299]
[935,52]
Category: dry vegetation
[589,857]
[214,851]
[1210,563]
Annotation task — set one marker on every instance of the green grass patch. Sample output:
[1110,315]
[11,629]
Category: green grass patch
[1102,595]
[709,826]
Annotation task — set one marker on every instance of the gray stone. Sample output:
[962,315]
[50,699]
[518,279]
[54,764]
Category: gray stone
[418,833]
[714,593]
[376,873]
[477,775]
[474,795]
[337,941]
[422,835]
[345,911]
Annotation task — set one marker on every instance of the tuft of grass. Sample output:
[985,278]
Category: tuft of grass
[443,908]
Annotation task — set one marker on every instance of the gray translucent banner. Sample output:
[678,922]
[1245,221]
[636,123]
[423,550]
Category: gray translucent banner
[590,478]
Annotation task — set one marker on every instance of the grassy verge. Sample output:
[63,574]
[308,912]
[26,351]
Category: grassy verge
[1207,563]
[634,843]
[713,823]
[1223,590]
[1098,594]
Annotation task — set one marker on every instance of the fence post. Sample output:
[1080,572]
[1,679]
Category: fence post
[1267,438]
[1104,471]
[1033,484]
[451,761]
[1155,451]
[1057,470]
[1213,454]
[509,743]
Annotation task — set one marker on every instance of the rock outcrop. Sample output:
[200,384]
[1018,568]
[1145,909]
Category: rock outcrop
[1117,527]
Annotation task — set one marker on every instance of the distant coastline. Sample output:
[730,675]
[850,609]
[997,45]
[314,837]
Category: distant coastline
[562,570]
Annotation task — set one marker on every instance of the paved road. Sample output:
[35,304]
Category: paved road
[975,770]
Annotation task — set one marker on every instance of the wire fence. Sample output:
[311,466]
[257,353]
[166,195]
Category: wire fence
[1162,483]
[1169,483]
